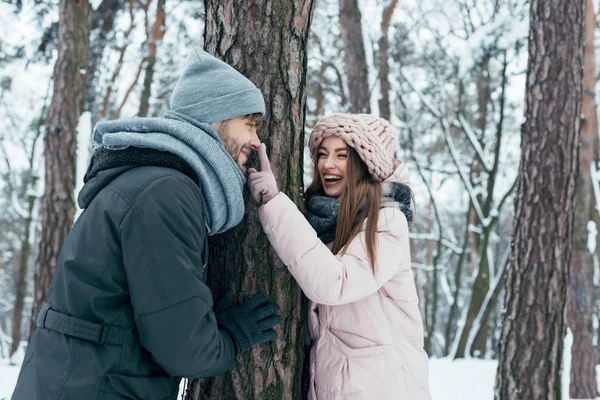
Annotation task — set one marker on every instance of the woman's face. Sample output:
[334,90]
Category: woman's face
[332,159]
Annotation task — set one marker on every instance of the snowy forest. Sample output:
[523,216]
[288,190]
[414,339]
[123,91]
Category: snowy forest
[500,138]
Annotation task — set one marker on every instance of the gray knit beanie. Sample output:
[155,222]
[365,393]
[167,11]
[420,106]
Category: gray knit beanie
[210,90]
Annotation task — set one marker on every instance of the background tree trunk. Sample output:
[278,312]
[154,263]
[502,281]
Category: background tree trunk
[68,101]
[21,284]
[581,295]
[354,55]
[158,32]
[102,25]
[531,345]
[266,41]
[384,66]
[481,286]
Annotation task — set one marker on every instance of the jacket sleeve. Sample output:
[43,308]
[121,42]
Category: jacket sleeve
[162,239]
[331,279]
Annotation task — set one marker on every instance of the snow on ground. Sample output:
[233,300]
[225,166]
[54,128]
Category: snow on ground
[450,380]
[9,371]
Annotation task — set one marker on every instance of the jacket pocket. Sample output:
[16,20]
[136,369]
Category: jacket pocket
[143,387]
[368,348]
[343,370]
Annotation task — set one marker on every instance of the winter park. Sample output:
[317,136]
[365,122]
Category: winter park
[299,199]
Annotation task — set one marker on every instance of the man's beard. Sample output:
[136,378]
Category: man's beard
[231,145]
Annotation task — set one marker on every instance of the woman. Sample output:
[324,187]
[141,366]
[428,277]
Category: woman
[351,259]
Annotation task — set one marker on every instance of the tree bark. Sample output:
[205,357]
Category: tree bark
[68,101]
[581,290]
[267,42]
[531,345]
[158,33]
[354,56]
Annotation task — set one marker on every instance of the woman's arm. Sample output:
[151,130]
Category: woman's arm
[332,279]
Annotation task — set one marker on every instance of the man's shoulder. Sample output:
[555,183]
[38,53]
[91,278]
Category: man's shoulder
[141,181]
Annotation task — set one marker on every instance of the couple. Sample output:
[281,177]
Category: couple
[128,313]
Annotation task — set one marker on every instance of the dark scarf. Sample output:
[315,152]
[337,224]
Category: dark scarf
[323,210]
[104,159]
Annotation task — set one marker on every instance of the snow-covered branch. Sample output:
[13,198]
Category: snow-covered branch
[471,192]
[453,152]
[430,236]
[468,130]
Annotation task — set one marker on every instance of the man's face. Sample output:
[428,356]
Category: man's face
[240,137]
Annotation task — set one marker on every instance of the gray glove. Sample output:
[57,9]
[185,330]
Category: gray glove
[263,185]
[250,323]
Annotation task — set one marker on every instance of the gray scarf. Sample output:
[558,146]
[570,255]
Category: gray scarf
[221,180]
[322,216]
[323,210]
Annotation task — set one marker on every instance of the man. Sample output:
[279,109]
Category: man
[128,312]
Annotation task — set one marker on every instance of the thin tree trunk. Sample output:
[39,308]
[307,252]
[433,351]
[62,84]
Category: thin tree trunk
[354,55]
[479,292]
[581,295]
[136,79]
[21,284]
[481,286]
[106,101]
[320,93]
[531,345]
[158,33]
[102,25]
[384,66]
[487,308]
[68,101]
[483,94]
[266,41]
[458,277]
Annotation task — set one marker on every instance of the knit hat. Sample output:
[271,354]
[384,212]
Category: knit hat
[210,90]
[373,138]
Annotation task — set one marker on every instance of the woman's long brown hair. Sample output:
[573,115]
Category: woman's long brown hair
[360,189]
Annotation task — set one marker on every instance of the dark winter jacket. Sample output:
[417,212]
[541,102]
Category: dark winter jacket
[128,312]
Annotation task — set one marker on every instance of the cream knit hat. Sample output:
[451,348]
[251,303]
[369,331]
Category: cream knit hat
[373,138]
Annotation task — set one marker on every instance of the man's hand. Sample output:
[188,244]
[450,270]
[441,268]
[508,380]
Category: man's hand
[250,323]
[263,185]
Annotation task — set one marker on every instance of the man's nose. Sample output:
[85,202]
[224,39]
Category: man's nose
[254,142]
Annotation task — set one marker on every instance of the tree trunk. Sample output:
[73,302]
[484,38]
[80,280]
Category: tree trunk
[483,95]
[102,25]
[581,295]
[384,66]
[21,284]
[480,289]
[428,300]
[267,42]
[354,55]
[68,101]
[481,286]
[458,278]
[487,308]
[158,33]
[531,344]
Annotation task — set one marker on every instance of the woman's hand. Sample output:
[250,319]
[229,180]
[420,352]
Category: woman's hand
[263,185]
